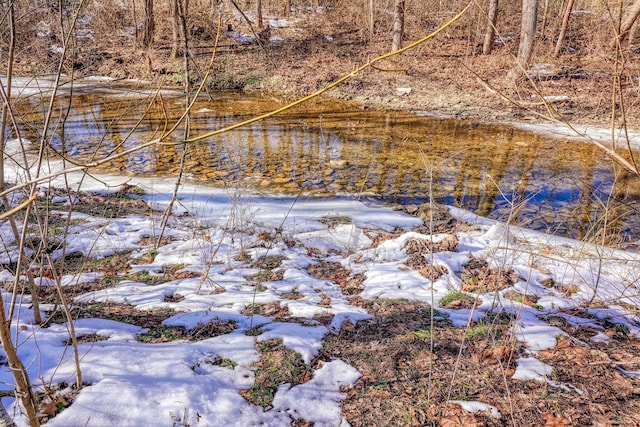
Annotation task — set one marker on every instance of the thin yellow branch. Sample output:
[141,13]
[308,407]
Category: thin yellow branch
[19,207]
[159,141]
[331,85]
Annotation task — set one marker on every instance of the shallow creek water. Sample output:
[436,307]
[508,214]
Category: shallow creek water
[326,148]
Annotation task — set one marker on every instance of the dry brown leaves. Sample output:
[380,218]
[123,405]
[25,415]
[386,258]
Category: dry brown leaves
[272,309]
[49,408]
[268,262]
[550,420]
[567,349]
[111,205]
[525,299]
[503,354]
[325,300]
[428,270]
[478,277]
[349,283]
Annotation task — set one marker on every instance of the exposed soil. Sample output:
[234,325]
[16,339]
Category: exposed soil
[413,368]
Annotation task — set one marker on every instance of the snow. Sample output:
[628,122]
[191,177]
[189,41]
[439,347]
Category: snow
[130,383]
[301,401]
[529,368]
[474,406]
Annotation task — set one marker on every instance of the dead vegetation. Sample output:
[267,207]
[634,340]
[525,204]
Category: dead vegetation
[415,365]
[278,365]
[448,75]
[412,368]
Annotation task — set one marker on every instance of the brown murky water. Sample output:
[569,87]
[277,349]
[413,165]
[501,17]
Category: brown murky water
[327,148]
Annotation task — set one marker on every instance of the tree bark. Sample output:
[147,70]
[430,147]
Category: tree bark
[629,20]
[490,33]
[398,25]
[287,8]
[369,8]
[149,24]
[259,13]
[175,29]
[527,37]
[563,29]
[20,374]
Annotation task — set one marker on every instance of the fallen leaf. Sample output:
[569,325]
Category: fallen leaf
[551,420]
[382,394]
[463,420]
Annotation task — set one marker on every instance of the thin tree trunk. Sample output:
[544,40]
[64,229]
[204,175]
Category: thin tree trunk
[631,35]
[398,25]
[371,16]
[149,24]
[183,6]
[259,14]
[490,33]
[545,12]
[563,29]
[175,29]
[629,20]
[287,8]
[527,37]
[20,374]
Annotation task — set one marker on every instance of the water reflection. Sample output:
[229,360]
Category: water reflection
[326,148]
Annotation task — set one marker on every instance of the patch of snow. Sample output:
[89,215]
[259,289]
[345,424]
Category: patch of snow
[319,399]
[529,368]
[473,406]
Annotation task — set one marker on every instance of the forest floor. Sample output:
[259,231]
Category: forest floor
[416,369]
[311,50]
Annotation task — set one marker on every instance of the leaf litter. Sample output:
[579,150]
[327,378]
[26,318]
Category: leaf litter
[381,319]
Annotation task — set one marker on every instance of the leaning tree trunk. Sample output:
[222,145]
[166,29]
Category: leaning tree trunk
[527,37]
[490,33]
[20,374]
[563,29]
[629,20]
[398,25]
[149,24]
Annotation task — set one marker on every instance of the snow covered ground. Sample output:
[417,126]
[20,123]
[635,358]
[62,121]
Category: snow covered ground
[218,235]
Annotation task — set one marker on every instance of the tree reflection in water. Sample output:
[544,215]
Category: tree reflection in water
[328,148]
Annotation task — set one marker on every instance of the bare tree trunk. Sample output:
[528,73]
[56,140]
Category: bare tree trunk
[527,37]
[175,29]
[631,35]
[287,8]
[23,385]
[629,20]
[369,6]
[20,374]
[149,24]
[545,14]
[398,25]
[183,6]
[563,29]
[490,33]
[179,11]
[259,13]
